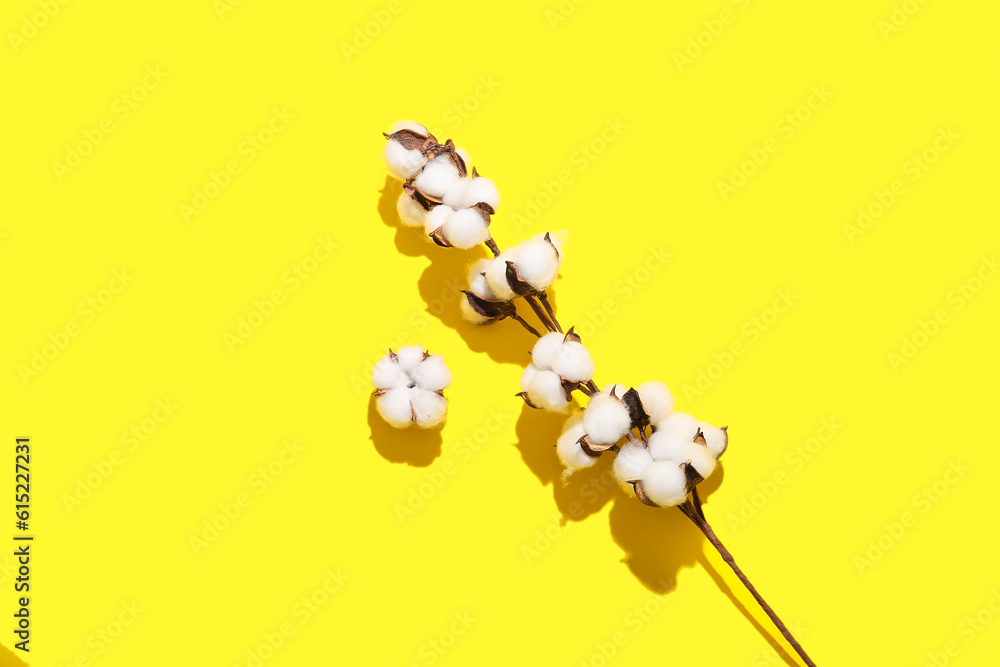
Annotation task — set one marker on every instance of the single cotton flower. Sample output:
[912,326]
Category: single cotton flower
[571,454]
[409,387]
[405,148]
[606,419]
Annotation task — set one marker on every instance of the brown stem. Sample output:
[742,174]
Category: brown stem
[541,313]
[492,245]
[548,309]
[692,510]
[527,326]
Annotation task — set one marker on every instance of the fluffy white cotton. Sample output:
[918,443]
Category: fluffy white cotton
[394,406]
[702,459]
[496,276]
[670,445]
[629,464]
[568,448]
[431,373]
[537,263]
[429,407]
[545,391]
[410,212]
[480,189]
[526,376]
[681,422]
[656,400]
[439,175]
[401,163]
[619,389]
[456,193]
[573,362]
[606,419]
[436,217]
[664,483]
[715,438]
[408,125]
[544,351]
[466,228]
[386,374]
[409,356]
[477,280]
[470,313]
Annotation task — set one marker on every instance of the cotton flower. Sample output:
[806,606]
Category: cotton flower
[409,386]
[411,213]
[438,176]
[559,363]
[478,284]
[544,389]
[496,276]
[606,419]
[537,261]
[629,464]
[663,483]
[404,149]
[716,439]
[656,400]
[568,449]
[467,192]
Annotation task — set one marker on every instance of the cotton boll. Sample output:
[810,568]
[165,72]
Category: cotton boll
[402,164]
[573,362]
[715,438]
[568,448]
[439,175]
[431,373]
[430,407]
[394,406]
[496,276]
[410,212]
[408,125]
[386,374]
[664,483]
[545,390]
[606,419]
[471,314]
[702,459]
[544,351]
[681,422]
[436,217]
[526,376]
[480,189]
[455,197]
[656,400]
[477,280]
[537,264]
[631,460]
[409,356]
[466,228]
[669,445]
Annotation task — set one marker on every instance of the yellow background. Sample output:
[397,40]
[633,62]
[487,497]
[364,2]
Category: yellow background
[526,88]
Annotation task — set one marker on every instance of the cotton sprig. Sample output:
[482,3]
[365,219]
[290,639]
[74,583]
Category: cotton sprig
[661,455]
[409,387]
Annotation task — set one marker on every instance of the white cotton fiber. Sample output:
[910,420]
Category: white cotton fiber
[436,217]
[606,419]
[466,228]
[431,373]
[537,263]
[702,459]
[681,422]
[480,189]
[477,280]
[455,196]
[573,362]
[568,449]
[629,464]
[394,406]
[402,164]
[664,483]
[656,400]
[438,176]
[715,438]
[429,407]
[669,445]
[409,356]
[386,374]
[526,376]
[544,351]
[545,390]
[410,212]
[619,389]
[496,276]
